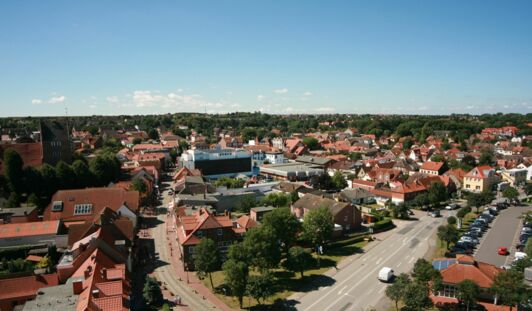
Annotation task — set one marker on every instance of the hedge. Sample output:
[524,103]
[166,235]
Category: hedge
[346,242]
[16,252]
[383,225]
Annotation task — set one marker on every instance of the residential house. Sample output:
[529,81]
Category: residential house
[346,215]
[433,168]
[357,196]
[257,213]
[515,177]
[86,204]
[16,291]
[18,214]
[480,178]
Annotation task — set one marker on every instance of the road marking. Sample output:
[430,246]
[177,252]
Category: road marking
[361,280]
[382,290]
[412,259]
[379,261]
[340,292]
[399,264]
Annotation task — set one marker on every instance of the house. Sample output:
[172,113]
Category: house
[33,233]
[86,204]
[216,163]
[257,213]
[318,161]
[190,229]
[287,187]
[466,268]
[456,176]
[433,168]
[480,178]
[346,216]
[516,176]
[18,214]
[357,196]
[16,291]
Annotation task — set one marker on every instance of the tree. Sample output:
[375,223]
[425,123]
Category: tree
[299,260]
[469,161]
[82,174]
[463,212]
[139,185]
[32,180]
[322,181]
[475,200]
[65,175]
[105,168]
[509,288]
[318,227]
[448,233]
[397,290]
[468,292]
[173,155]
[13,200]
[451,220]
[276,200]
[416,297]
[49,180]
[236,277]
[261,286]
[284,226]
[13,171]
[400,211]
[246,203]
[407,144]
[137,140]
[339,181]
[421,200]
[152,293]
[153,134]
[311,143]
[34,200]
[437,193]
[528,189]
[355,156]
[206,258]
[486,158]
[262,247]
[424,272]
[45,263]
[510,193]
[528,248]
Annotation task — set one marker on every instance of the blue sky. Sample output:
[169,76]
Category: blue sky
[143,57]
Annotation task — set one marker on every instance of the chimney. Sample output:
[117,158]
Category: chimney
[77,287]
[87,272]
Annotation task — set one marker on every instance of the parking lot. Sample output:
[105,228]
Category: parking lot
[503,233]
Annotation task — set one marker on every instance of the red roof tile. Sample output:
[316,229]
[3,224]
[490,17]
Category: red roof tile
[29,229]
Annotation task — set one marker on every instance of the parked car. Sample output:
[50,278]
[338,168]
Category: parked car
[503,251]
[526,230]
[492,211]
[476,229]
[472,234]
[457,250]
[434,213]
[488,218]
[468,239]
[519,256]
[452,206]
[465,245]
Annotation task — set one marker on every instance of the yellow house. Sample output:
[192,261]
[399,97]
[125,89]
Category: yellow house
[515,176]
[479,179]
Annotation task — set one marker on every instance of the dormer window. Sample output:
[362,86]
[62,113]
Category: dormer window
[199,233]
[82,209]
[57,206]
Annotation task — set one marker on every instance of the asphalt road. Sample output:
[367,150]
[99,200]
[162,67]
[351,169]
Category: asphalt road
[356,286]
[503,233]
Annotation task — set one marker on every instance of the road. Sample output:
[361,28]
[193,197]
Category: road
[356,286]
[166,272]
[503,233]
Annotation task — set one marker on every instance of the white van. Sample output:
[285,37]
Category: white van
[385,274]
[519,256]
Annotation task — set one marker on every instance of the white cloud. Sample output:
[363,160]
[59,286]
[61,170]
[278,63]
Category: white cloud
[112,99]
[57,99]
[307,94]
[93,106]
[324,110]
[36,101]
[423,108]
[260,97]
[281,91]
[289,110]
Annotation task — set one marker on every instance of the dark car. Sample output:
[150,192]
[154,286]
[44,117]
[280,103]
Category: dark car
[465,245]
[473,234]
[457,250]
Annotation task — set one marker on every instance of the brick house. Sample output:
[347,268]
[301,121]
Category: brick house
[345,215]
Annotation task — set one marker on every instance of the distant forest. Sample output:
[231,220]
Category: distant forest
[257,124]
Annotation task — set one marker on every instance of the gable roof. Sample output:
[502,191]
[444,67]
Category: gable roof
[432,166]
[480,172]
[100,198]
[26,287]
[311,201]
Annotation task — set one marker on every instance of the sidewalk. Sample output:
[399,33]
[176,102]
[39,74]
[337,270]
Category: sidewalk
[190,278]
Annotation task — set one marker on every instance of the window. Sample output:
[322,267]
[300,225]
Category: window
[219,232]
[82,209]
[199,233]
[57,206]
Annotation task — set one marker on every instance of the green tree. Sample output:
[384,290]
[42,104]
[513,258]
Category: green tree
[236,278]
[246,203]
[396,291]
[206,258]
[318,227]
[276,199]
[262,247]
[152,293]
[339,181]
[139,185]
[355,156]
[509,288]
[13,200]
[284,226]
[400,211]
[311,143]
[468,292]
[13,171]
[299,260]
[34,200]
[137,140]
[416,297]
[528,189]
[528,248]
[65,175]
[32,180]
[448,233]
[425,273]
[486,158]
[153,134]
[510,193]
[322,181]
[437,193]
[173,155]
[49,180]
[105,168]
[463,212]
[469,161]
[261,286]
[451,220]
[82,174]
[421,200]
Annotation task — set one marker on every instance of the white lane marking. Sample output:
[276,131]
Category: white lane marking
[399,264]
[412,259]
[379,261]
[360,281]
[340,292]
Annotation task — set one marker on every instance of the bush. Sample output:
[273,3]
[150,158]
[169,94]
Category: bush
[451,220]
[383,225]
[15,252]
[348,241]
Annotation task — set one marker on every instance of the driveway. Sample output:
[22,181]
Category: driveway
[356,286]
[503,233]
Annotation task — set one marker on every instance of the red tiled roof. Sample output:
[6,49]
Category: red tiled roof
[29,229]
[34,258]
[482,274]
[479,171]
[188,225]
[246,222]
[25,287]
[100,198]
[432,166]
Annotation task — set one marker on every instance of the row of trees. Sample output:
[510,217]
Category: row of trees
[39,184]
[273,199]
[249,264]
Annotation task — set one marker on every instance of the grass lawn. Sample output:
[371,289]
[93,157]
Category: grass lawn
[289,282]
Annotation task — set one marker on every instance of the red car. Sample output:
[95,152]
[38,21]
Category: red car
[502,251]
